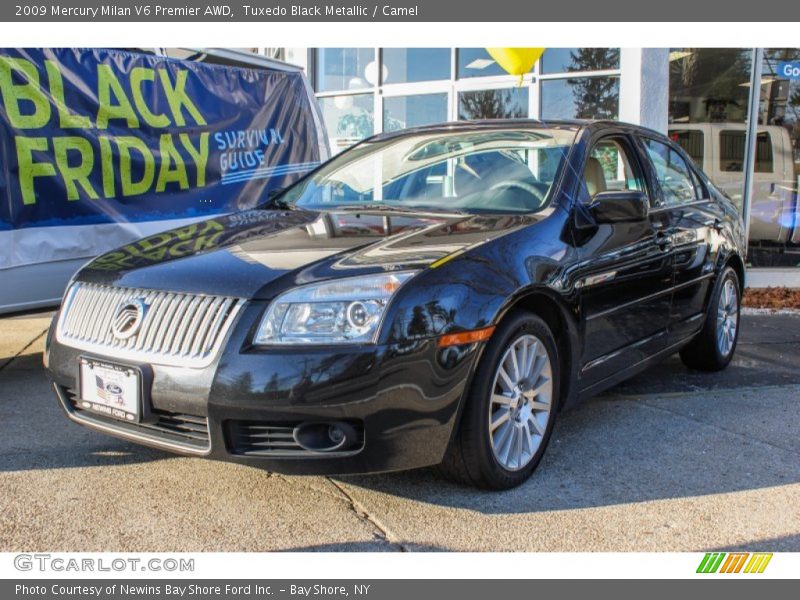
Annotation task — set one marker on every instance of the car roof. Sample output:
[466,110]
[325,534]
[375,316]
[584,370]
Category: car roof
[476,125]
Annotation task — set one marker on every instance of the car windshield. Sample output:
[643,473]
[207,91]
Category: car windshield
[476,171]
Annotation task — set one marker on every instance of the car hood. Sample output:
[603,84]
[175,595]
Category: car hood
[242,254]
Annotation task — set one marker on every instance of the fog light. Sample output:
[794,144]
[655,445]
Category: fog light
[325,437]
[335,434]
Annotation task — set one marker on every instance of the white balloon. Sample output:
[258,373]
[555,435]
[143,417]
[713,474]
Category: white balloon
[356,83]
[343,102]
[371,73]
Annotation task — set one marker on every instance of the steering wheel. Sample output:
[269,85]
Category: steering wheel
[522,185]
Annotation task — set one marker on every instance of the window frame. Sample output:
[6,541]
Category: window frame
[693,176]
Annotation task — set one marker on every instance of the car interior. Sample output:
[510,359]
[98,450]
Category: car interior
[607,169]
[490,181]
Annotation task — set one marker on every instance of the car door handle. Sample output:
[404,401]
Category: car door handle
[663,241]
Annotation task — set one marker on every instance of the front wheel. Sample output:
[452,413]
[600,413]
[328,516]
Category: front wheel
[714,346]
[510,408]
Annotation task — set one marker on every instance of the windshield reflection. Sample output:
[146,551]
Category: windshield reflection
[485,171]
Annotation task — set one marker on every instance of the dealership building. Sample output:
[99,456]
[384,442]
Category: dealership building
[704,98]
[736,112]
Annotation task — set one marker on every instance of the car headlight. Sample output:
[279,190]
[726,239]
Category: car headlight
[342,311]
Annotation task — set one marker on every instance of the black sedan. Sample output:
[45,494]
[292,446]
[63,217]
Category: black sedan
[432,296]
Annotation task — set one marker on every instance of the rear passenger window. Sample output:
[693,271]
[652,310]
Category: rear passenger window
[674,175]
[702,190]
[692,141]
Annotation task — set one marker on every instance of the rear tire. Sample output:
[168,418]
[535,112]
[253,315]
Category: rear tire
[713,348]
[510,408]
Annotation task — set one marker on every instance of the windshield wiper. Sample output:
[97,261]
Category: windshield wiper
[379,207]
[274,201]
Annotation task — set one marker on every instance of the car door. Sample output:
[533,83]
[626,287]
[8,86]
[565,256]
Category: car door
[694,220]
[625,273]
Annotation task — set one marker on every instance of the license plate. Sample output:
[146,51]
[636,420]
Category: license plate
[111,390]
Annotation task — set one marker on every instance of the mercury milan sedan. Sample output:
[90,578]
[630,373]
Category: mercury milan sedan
[434,296]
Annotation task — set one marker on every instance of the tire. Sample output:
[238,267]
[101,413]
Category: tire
[526,413]
[712,349]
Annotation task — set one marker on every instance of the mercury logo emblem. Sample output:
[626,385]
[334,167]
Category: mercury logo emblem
[127,319]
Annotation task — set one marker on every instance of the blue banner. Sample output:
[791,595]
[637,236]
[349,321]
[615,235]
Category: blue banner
[91,136]
[789,69]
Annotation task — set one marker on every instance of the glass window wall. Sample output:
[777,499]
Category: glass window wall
[708,112]
[419,86]
[415,110]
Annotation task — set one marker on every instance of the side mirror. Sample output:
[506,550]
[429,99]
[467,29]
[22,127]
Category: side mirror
[620,206]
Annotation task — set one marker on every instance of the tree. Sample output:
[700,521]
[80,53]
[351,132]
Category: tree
[595,97]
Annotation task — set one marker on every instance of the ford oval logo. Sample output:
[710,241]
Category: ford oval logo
[127,319]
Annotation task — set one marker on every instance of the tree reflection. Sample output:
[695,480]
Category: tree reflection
[492,104]
[594,97]
[709,85]
[357,125]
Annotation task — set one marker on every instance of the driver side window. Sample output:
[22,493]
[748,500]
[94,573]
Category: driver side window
[609,168]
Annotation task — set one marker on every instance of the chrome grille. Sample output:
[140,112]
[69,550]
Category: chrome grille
[176,329]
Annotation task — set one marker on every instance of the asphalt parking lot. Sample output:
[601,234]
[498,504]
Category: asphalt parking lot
[669,461]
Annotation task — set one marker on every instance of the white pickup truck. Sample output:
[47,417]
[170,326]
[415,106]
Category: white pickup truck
[719,149]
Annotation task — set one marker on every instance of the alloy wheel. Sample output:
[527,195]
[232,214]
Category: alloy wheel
[521,402]
[727,317]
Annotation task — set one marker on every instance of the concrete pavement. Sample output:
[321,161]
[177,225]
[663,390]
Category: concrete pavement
[671,460]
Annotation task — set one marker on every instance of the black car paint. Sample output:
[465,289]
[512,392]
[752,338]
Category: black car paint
[406,390]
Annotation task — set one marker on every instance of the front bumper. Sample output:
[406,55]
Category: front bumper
[402,400]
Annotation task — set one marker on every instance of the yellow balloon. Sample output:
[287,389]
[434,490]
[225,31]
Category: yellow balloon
[516,61]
